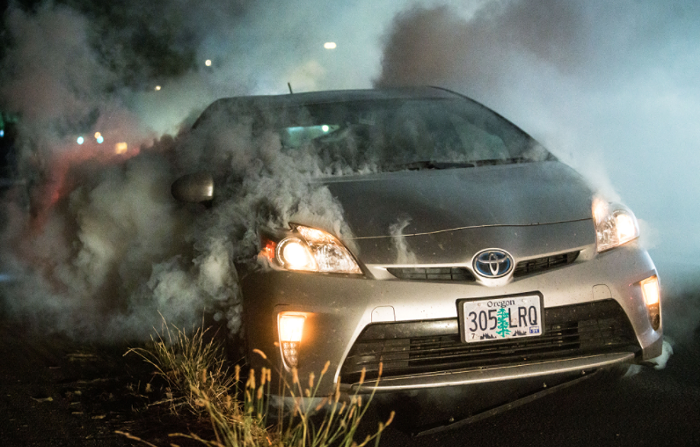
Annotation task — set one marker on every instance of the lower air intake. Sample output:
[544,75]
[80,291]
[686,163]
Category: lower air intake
[435,345]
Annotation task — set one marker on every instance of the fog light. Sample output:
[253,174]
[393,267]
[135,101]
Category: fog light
[650,289]
[652,298]
[291,328]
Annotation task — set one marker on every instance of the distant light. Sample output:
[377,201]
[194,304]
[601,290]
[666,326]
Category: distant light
[325,128]
[120,148]
[157,88]
[2,133]
[100,139]
[81,140]
[329,45]
[98,135]
[207,62]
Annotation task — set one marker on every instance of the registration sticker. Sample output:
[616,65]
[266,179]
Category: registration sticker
[501,318]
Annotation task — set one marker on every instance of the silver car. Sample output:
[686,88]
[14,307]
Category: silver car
[475,256]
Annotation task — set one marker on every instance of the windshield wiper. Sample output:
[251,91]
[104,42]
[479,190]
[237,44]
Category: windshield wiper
[429,164]
[437,165]
[502,161]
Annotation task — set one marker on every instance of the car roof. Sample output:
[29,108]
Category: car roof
[333,96]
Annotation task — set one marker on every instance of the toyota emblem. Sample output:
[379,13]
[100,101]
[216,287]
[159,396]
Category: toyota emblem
[493,263]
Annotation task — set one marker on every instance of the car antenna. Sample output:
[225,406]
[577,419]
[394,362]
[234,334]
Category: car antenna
[290,88]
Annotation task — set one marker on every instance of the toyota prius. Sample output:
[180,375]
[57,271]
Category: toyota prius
[473,256]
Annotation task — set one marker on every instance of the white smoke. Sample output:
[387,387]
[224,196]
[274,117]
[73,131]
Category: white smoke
[606,87]
[117,252]
[103,250]
[404,255]
[611,89]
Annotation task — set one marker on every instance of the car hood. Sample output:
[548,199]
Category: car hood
[419,202]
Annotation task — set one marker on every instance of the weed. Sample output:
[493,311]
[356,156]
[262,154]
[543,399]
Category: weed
[199,380]
[192,367]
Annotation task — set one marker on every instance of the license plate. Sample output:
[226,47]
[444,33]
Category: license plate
[501,318]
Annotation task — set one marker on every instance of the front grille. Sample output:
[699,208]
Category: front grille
[433,274]
[463,274]
[435,345]
[532,266]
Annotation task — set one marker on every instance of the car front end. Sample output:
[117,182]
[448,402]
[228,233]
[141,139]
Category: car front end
[584,290]
[472,256]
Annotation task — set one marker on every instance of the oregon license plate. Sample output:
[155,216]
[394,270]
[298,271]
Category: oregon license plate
[501,318]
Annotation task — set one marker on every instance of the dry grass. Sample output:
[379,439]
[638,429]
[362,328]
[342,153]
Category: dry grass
[193,368]
[199,381]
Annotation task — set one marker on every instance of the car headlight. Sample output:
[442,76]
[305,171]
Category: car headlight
[614,224]
[310,250]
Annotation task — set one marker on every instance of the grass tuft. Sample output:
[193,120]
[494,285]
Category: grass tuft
[194,368]
[198,380]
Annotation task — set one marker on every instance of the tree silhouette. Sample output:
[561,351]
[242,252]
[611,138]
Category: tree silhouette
[503,323]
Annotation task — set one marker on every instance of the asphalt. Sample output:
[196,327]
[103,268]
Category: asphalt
[652,408]
[62,392]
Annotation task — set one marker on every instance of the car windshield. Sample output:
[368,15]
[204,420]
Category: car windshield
[398,134]
[409,134]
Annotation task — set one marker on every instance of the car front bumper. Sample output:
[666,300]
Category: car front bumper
[338,308]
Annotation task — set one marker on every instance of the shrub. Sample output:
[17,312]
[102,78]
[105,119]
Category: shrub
[197,378]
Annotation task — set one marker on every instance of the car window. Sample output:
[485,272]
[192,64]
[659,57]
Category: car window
[481,144]
[297,136]
[388,134]
[392,133]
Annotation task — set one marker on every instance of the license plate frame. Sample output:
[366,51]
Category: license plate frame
[469,308]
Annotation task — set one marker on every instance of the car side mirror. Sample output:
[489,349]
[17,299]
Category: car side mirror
[194,188]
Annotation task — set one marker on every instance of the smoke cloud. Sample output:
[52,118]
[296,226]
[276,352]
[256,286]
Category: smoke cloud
[611,89]
[404,255]
[605,87]
[101,250]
